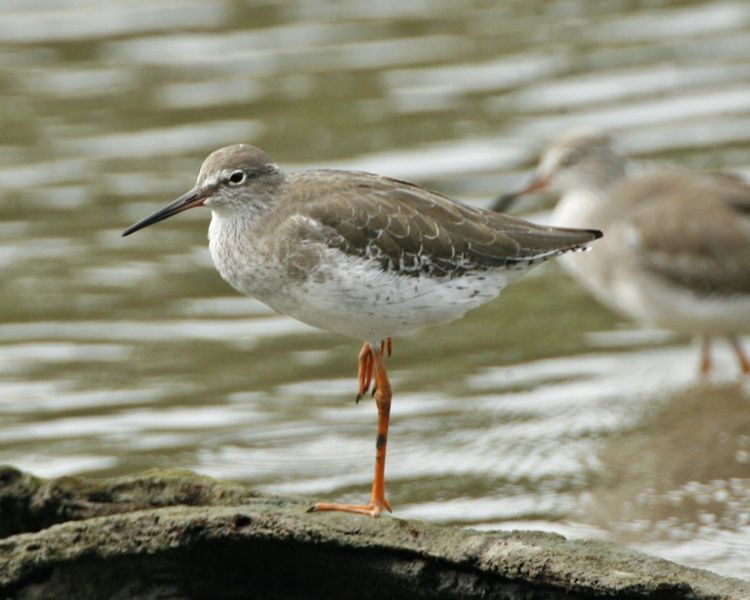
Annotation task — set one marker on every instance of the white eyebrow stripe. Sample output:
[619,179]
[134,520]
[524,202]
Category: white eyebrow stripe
[213,180]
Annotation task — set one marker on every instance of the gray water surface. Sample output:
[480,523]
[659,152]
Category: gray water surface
[540,410]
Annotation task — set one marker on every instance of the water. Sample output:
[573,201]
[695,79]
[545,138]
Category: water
[540,410]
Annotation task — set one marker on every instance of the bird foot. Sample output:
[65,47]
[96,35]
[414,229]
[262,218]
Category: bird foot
[373,509]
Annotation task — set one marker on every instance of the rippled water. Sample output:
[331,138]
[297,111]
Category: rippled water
[539,410]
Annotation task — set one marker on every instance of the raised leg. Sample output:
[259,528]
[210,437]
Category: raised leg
[383,403]
[741,356]
[706,363]
[364,371]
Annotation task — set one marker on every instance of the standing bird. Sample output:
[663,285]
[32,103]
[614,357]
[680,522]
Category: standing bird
[359,254]
[677,248]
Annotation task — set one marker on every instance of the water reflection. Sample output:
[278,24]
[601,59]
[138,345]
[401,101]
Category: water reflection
[119,356]
[661,485]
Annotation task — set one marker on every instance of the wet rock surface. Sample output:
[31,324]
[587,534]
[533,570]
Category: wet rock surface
[173,534]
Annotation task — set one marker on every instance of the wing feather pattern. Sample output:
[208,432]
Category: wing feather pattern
[412,230]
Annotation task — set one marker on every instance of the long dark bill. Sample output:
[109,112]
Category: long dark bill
[188,200]
[506,201]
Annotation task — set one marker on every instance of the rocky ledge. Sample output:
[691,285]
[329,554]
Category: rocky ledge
[175,535]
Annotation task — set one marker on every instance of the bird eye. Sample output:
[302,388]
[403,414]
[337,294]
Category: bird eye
[237,177]
[570,158]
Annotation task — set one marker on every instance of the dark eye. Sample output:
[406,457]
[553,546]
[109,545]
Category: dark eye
[237,177]
[570,158]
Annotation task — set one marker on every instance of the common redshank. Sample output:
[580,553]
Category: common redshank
[359,254]
[677,249]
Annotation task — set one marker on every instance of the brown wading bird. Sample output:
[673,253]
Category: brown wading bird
[359,254]
[677,248]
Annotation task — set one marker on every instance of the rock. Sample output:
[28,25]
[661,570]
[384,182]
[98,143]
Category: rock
[176,535]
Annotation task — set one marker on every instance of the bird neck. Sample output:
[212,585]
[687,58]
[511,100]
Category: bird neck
[237,224]
[585,200]
[580,208]
[248,211]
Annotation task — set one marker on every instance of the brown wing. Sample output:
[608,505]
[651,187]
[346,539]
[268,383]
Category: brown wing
[695,232]
[411,230]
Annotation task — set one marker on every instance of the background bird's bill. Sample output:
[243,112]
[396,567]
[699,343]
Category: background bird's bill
[506,201]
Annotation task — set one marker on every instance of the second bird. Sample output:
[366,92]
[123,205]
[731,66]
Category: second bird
[676,253]
[359,254]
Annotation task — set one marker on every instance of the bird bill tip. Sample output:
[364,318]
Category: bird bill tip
[190,199]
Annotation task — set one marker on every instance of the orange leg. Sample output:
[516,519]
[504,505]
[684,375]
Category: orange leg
[383,402]
[364,370]
[741,356]
[706,363]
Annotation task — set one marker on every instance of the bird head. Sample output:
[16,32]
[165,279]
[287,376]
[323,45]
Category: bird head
[235,178]
[583,159]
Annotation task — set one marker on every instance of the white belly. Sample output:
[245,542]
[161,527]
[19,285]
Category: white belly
[333,291]
[359,300]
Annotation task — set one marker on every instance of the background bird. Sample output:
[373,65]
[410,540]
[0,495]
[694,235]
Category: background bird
[676,253]
[360,254]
